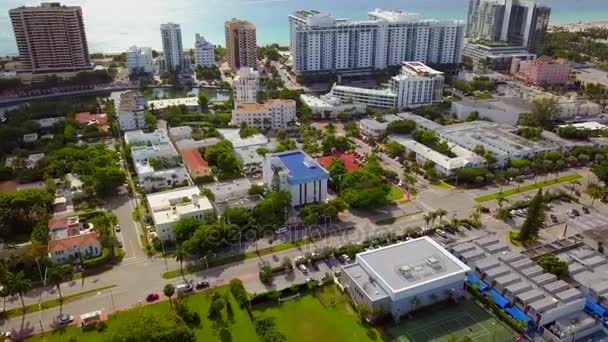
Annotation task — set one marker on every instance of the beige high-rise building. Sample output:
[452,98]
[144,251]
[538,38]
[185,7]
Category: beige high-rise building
[51,40]
[241,44]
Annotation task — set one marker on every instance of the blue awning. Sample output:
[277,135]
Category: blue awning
[595,308]
[476,282]
[497,298]
[519,315]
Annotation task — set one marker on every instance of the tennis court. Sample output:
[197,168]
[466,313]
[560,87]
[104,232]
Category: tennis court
[457,320]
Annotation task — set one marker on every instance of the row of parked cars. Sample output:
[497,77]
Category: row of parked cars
[184,287]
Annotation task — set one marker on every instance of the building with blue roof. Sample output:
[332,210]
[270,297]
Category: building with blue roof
[298,173]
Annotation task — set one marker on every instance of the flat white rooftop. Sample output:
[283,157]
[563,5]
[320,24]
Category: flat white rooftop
[411,263]
[164,200]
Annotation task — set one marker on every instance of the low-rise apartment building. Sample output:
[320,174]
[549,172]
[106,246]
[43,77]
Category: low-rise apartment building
[297,173]
[168,207]
[544,71]
[272,115]
[195,164]
[443,165]
[130,109]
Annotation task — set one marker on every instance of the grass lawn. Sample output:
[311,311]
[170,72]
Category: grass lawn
[458,320]
[310,318]
[538,185]
[386,221]
[239,327]
[395,194]
[235,258]
[442,184]
[313,319]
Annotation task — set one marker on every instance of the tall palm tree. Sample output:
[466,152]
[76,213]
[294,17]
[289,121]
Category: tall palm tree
[18,284]
[55,276]
[433,217]
[427,219]
[572,184]
[501,199]
[169,291]
[180,255]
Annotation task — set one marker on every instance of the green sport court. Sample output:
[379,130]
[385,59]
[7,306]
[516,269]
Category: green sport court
[453,320]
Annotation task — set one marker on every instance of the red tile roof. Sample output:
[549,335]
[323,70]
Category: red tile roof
[58,222]
[349,161]
[194,161]
[71,241]
[86,118]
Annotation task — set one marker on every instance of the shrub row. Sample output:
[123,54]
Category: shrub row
[103,259]
[518,326]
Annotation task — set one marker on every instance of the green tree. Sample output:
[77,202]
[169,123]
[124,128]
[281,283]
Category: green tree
[18,284]
[543,111]
[149,121]
[256,189]
[56,275]
[601,171]
[146,325]
[394,149]
[336,169]
[552,264]
[401,127]
[185,228]
[169,291]
[203,102]
[535,219]
[180,256]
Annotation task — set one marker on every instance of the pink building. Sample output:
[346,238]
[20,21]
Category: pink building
[544,71]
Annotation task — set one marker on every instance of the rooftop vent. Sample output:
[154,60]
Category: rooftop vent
[432,260]
[310,163]
[404,269]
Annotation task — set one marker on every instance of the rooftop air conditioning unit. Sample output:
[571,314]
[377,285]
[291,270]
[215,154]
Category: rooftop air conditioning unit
[404,269]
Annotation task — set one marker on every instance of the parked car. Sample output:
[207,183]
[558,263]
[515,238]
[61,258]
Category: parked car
[184,287]
[346,258]
[570,214]
[449,230]
[308,280]
[341,259]
[328,263]
[576,213]
[201,285]
[152,297]
[303,269]
[64,319]
[117,228]
[281,230]
[467,226]
[585,210]
[120,243]
[553,218]
[441,233]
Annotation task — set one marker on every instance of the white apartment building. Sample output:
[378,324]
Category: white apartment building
[171,35]
[329,106]
[130,109]
[272,115]
[322,43]
[204,52]
[168,207]
[299,174]
[444,165]
[416,85]
[246,86]
[140,60]
[167,172]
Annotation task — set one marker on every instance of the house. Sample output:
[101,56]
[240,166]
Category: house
[195,164]
[72,241]
[100,120]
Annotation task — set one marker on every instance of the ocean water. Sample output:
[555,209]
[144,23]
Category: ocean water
[114,25]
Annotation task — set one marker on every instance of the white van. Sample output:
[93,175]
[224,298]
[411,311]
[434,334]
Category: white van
[281,230]
[184,287]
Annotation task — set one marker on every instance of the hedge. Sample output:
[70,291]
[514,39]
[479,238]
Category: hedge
[104,258]
[518,326]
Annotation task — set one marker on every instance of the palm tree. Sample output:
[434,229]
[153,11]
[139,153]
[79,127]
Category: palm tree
[433,217]
[595,191]
[180,255]
[18,284]
[169,291]
[501,199]
[441,213]
[427,219]
[55,275]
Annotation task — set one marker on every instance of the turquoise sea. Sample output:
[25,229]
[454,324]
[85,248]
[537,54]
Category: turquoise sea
[114,25]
